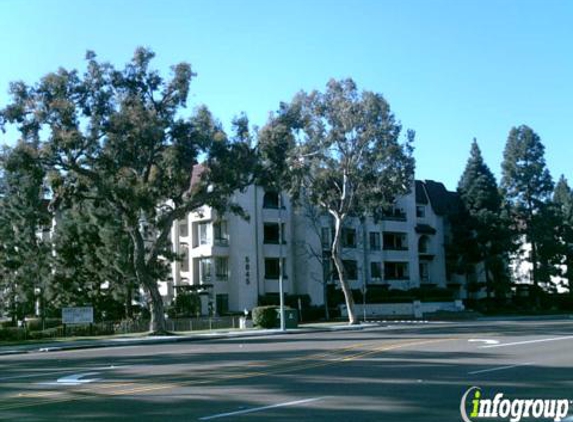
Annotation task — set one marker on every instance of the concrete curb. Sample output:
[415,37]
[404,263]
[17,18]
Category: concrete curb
[127,342]
[526,318]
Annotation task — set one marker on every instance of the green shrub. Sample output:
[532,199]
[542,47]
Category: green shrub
[89,330]
[185,305]
[313,313]
[383,294]
[11,334]
[6,324]
[36,323]
[266,316]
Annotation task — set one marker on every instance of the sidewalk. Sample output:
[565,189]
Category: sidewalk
[54,346]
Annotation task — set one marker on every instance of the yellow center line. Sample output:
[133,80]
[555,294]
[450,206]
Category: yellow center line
[93,388]
[336,357]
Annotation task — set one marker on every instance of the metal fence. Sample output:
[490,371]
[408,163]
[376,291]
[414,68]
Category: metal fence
[203,324]
[122,327]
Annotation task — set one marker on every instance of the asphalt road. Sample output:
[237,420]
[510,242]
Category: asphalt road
[398,373]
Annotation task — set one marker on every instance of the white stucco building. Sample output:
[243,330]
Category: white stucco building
[234,261]
[521,270]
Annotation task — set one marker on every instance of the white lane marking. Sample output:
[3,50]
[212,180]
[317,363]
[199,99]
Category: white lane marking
[15,377]
[259,409]
[75,379]
[59,371]
[501,368]
[486,341]
[519,343]
[49,349]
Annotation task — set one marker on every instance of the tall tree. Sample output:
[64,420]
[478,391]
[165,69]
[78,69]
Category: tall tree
[341,150]
[527,186]
[24,220]
[121,134]
[488,239]
[92,261]
[563,200]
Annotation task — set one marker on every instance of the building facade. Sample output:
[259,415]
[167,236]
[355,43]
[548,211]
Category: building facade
[234,261]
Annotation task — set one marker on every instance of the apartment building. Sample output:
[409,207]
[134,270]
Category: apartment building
[233,261]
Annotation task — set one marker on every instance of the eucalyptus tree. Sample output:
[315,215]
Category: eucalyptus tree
[341,150]
[122,134]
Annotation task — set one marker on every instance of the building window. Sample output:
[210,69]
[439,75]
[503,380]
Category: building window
[221,268]
[395,241]
[271,200]
[421,211]
[424,271]
[394,213]
[325,237]
[271,233]
[221,233]
[375,241]
[183,228]
[203,233]
[423,244]
[351,269]
[376,270]
[396,271]
[205,270]
[184,251]
[348,238]
[272,268]
[327,266]
[222,303]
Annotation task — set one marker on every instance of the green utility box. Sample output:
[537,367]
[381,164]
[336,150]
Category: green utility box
[291,318]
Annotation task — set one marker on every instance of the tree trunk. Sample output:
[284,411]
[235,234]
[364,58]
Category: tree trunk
[534,263]
[128,300]
[569,271]
[157,323]
[325,297]
[352,319]
[534,274]
[488,283]
[531,236]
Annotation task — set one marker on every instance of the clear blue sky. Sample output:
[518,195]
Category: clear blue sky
[451,70]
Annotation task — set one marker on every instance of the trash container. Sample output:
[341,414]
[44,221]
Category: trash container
[291,318]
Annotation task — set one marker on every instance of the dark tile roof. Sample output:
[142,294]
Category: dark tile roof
[443,201]
[421,197]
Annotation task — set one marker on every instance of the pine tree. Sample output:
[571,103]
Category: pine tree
[486,238]
[527,187]
[563,200]
[24,220]
[93,264]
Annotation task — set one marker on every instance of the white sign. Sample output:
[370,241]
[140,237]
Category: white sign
[83,315]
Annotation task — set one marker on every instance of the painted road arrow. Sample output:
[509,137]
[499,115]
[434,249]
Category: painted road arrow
[75,379]
[483,341]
